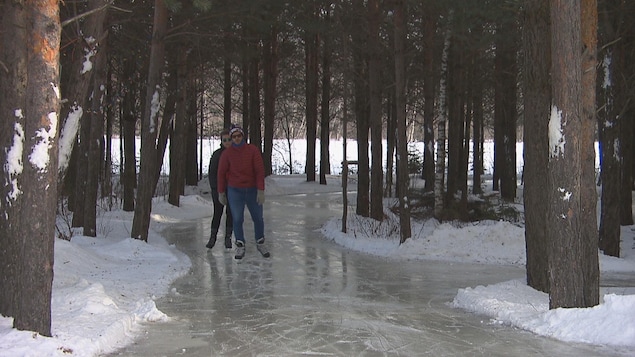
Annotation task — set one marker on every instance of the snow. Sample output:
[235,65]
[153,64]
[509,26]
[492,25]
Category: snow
[14,166]
[556,135]
[68,134]
[39,157]
[154,109]
[105,287]
[87,65]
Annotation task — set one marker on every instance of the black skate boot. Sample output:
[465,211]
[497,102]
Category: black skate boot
[212,240]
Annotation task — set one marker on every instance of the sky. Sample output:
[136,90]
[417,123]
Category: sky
[105,287]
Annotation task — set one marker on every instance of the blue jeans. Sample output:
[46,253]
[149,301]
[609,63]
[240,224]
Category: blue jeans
[238,198]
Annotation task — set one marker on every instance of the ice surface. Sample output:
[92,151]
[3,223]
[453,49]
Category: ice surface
[315,298]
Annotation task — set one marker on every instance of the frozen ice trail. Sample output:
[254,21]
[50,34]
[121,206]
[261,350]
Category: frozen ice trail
[315,298]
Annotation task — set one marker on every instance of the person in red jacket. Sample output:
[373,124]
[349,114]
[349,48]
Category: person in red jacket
[241,182]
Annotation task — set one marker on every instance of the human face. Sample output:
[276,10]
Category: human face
[237,137]
[227,141]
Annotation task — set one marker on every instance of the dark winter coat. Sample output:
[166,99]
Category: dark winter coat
[213,168]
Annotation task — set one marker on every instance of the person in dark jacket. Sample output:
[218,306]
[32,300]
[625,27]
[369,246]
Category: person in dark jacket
[241,182]
[218,206]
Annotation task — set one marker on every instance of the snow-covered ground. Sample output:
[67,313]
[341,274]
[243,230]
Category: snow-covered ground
[105,286]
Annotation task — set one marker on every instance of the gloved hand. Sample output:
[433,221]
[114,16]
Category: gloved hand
[261,197]
[222,198]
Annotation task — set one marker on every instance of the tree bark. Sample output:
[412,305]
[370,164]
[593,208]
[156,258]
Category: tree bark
[429,80]
[129,118]
[179,134]
[505,107]
[325,114]
[439,173]
[589,225]
[362,124]
[79,81]
[573,275]
[376,130]
[227,87]
[95,140]
[405,230]
[255,136]
[191,137]
[13,87]
[30,106]
[270,92]
[609,134]
[141,219]
[537,59]
[311,64]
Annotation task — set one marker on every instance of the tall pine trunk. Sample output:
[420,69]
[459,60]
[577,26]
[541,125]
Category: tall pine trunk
[129,119]
[376,129]
[537,98]
[439,172]
[589,226]
[311,65]
[573,275]
[179,134]
[76,89]
[400,100]
[141,219]
[30,108]
[429,81]
[95,139]
[609,133]
[270,88]
[325,110]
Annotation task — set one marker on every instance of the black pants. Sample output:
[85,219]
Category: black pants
[218,213]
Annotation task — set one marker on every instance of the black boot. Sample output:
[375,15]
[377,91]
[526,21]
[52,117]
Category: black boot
[228,241]
[212,240]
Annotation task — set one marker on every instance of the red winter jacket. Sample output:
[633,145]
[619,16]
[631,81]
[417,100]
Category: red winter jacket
[241,166]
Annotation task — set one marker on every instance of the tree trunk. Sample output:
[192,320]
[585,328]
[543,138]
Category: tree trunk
[270,89]
[141,219]
[95,138]
[81,171]
[191,135]
[376,129]
[30,108]
[391,144]
[325,117]
[179,135]
[79,80]
[255,136]
[106,188]
[609,133]
[311,59]
[129,118]
[439,173]
[456,116]
[227,87]
[573,275]
[361,118]
[400,100]
[13,87]
[429,31]
[624,82]
[477,119]
[505,107]
[589,225]
[537,99]
[246,92]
